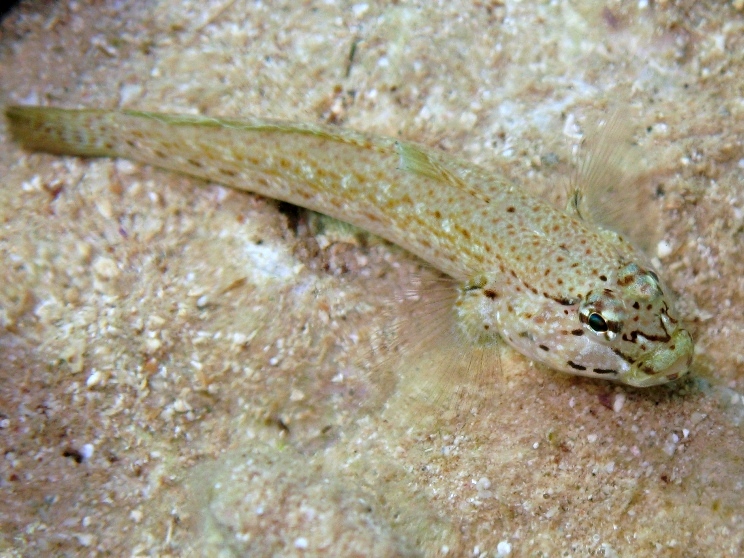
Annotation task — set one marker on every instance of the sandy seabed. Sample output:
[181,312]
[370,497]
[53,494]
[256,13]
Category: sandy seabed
[184,368]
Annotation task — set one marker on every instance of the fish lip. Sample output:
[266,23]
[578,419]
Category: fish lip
[663,365]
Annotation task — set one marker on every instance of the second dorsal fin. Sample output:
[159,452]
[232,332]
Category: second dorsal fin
[421,161]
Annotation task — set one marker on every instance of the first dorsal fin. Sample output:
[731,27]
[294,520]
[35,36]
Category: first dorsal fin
[608,187]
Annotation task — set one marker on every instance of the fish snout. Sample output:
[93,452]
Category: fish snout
[666,363]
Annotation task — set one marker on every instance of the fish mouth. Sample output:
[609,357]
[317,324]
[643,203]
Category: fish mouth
[667,363]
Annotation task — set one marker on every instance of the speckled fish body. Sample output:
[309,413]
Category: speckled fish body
[559,289]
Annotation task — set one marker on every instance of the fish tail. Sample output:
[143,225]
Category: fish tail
[62,131]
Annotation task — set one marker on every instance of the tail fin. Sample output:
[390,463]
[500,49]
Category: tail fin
[61,131]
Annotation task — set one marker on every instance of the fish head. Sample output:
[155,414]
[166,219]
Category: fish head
[633,319]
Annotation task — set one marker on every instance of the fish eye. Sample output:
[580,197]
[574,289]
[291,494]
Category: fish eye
[597,323]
